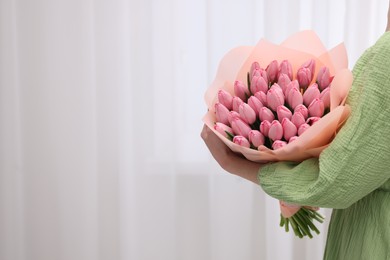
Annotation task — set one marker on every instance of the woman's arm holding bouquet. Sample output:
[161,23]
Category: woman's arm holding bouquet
[227,159]
[358,160]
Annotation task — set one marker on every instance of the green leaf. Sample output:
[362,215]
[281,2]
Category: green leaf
[229,136]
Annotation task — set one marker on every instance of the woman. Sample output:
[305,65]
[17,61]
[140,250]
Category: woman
[352,175]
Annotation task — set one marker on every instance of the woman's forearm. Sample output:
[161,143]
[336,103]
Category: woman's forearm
[228,160]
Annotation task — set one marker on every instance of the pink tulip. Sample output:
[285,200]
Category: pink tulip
[303,110]
[310,94]
[247,113]
[240,90]
[304,77]
[225,98]
[297,119]
[240,127]
[292,139]
[264,127]
[283,112]
[258,84]
[312,120]
[276,87]
[233,114]
[262,97]
[237,103]
[275,98]
[273,71]
[316,108]
[275,131]
[294,98]
[221,113]
[325,97]
[290,86]
[241,141]
[266,114]
[255,72]
[286,68]
[278,144]
[222,129]
[323,78]
[264,74]
[289,129]
[303,128]
[283,81]
[255,103]
[311,65]
[256,138]
[254,67]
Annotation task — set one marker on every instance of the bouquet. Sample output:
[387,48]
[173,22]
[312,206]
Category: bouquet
[281,102]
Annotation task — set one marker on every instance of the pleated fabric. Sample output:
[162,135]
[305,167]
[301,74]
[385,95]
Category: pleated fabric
[352,175]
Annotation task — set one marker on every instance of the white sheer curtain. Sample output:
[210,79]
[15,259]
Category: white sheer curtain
[100,113]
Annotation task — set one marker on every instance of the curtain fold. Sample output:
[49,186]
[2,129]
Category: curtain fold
[100,115]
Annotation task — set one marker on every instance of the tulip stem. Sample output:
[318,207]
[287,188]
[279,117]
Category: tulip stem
[282,221]
[302,222]
[286,227]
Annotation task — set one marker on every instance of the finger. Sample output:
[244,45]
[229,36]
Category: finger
[205,132]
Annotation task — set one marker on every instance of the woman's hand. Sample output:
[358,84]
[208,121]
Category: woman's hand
[227,159]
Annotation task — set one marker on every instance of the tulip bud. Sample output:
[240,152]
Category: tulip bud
[310,94]
[275,98]
[278,144]
[289,129]
[292,139]
[276,87]
[290,86]
[231,115]
[222,129]
[240,90]
[262,97]
[304,77]
[294,98]
[264,74]
[311,65]
[283,112]
[266,114]
[240,127]
[303,110]
[264,127]
[241,141]
[275,131]
[258,84]
[254,67]
[255,103]
[297,119]
[237,103]
[283,81]
[256,138]
[323,78]
[221,113]
[325,97]
[225,98]
[303,128]
[273,71]
[255,72]
[312,120]
[286,68]
[247,113]
[316,108]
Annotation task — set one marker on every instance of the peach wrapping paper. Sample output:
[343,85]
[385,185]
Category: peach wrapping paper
[298,48]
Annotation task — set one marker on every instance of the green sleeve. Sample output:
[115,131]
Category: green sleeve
[358,160]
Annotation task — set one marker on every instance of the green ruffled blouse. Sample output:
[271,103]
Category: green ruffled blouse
[352,175]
